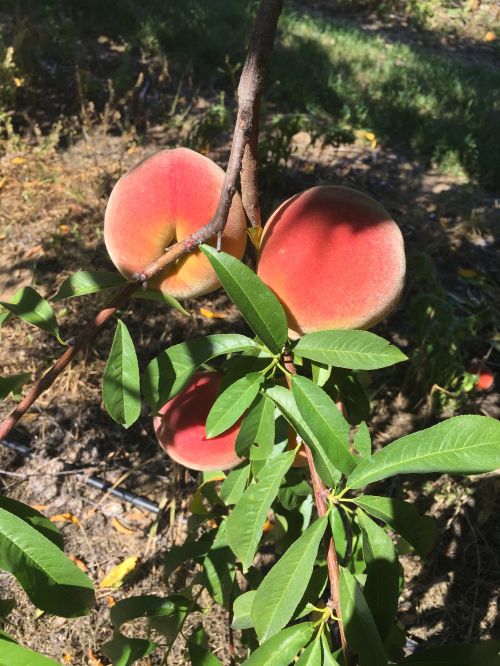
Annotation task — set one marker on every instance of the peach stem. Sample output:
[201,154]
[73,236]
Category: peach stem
[249,92]
[320,495]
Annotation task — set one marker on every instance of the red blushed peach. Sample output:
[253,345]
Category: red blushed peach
[335,259]
[163,199]
[180,428]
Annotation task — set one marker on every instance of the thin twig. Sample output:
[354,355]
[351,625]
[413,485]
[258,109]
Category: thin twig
[249,92]
[320,498]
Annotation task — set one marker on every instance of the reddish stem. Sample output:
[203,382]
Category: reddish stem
[320,498]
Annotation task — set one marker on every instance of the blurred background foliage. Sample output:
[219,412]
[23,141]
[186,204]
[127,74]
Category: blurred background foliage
[416,76]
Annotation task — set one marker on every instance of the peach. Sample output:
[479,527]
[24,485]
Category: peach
[163,199]
[180,428]
[335,259]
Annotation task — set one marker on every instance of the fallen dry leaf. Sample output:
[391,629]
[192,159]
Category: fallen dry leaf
[18,160]
[118,573]
[67,658]
[40,507]
[64,518]
[93,659]
[36,249]
[490,36]
[79,563]
[111,601]
[469,273]
[210,314]
[119,527]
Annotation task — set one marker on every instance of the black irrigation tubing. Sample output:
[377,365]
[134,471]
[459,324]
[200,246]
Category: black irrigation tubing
[95,482]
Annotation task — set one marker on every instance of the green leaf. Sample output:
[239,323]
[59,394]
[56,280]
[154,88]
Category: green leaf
[381,589]
[34,518]
[199,654]
[6,607]
[320,373]
[242,618]
[403,517]
[363,441]
[52,582]
[326,422]
[87,282]
[34,309]
[123,651]
[463,444]
[121,384]
[218,569]
[169,626]
[189,550]
[160,297]
[359,626]
[355,350]
[258,427]
[234,484]
[484,653]
[282,588]
[12,654]
[245,523]
[328,658]
[285,401]
[281,649]
[351,393]
[231,403]
[13,384]
[312,655]
[148,605]
[169,373]
[257,303]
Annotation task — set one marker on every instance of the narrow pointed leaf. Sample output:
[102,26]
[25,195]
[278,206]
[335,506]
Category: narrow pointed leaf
[484,653]
[281,590]
[34,518]
[148,605]
[12,654]
[359,626]
[328,658]
[160,297]
[403,518]
[168,373]
[281,649]
[50,579]
[257,303]
[232,402]
[121,383]
[242,617]
[234,485]
[82,283]
[258,427]
[311,655]
[13,384]
[326,422]
[124,651]
[381,589]
[244,525]
[363,441]
[463,444]
[354,350]
[285,401]
[199,655]
[34,309]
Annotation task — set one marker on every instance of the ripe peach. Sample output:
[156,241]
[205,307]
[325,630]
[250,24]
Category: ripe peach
[163,199]
[180,428]
[335,259]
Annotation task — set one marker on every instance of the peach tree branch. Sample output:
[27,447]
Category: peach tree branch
[249,93]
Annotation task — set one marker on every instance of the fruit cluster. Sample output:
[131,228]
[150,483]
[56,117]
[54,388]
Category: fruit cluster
[332,255]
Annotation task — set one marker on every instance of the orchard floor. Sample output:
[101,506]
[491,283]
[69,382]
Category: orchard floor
[52,206]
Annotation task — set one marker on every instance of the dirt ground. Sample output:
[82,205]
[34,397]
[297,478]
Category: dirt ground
[51,221]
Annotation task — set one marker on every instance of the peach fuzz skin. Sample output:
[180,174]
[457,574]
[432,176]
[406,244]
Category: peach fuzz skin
[335,259]
[180,428]
[163,199]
